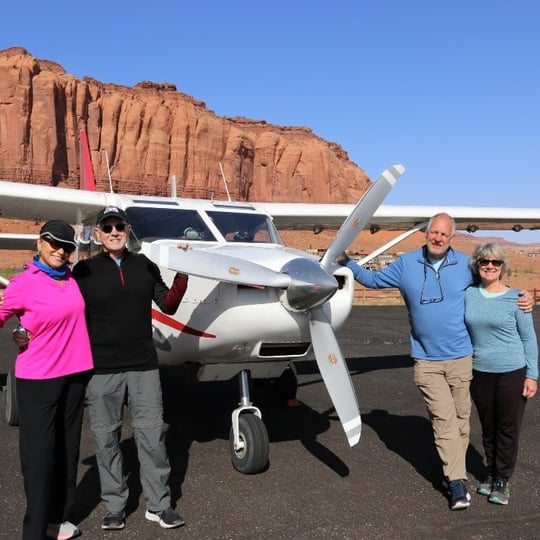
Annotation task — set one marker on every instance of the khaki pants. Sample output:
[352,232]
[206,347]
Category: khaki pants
[444,384]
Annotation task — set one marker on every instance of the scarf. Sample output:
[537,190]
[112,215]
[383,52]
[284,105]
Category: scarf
[55,273]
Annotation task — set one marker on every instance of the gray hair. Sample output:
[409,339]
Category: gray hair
[485,251]
[442,214]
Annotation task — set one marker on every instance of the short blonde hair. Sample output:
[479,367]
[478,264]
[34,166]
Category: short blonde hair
[489,250]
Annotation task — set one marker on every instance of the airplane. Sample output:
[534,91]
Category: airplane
[253,306]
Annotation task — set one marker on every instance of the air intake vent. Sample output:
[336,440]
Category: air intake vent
[285,350]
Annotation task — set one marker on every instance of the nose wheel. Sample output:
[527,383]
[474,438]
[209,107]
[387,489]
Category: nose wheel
[248,438]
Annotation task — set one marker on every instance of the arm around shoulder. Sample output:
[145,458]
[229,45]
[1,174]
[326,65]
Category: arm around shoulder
[525,301]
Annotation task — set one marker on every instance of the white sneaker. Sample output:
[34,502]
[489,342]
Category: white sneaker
[63,531]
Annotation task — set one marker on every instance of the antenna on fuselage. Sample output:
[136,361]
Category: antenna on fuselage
[173,186]
[108,170]
[225,182]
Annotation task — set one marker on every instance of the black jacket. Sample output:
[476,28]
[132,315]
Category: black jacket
[118,309]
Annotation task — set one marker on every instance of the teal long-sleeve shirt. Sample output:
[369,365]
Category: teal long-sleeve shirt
[503,336]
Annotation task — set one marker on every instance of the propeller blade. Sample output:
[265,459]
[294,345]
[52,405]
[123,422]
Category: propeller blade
[217,266]
[362,213]
[335,374]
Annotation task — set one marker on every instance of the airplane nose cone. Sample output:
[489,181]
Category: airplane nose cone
[310,285]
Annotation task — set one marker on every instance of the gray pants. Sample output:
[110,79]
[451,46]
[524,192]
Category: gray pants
[106,396]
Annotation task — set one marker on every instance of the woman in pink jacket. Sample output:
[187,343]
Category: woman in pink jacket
[51,372]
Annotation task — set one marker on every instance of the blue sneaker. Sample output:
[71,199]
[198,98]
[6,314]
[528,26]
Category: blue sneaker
[459,495]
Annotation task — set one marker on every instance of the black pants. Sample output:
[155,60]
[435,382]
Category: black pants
[50,421]
[500,405]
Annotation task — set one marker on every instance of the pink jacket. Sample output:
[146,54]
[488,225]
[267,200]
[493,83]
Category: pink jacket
[53,313]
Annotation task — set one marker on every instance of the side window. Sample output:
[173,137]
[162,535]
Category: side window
[168,223]
[245,227]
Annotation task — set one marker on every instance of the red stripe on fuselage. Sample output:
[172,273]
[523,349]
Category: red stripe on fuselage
[177,325]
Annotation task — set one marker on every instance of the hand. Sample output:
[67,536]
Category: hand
[529,388]
[21,340]
[185,246]
[526,302]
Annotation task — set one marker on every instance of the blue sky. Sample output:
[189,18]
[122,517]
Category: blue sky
[449,89]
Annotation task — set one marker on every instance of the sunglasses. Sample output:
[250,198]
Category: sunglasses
[120,227]
[68,248]
[495,262]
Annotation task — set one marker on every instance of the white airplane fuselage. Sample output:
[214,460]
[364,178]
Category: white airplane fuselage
[225,327]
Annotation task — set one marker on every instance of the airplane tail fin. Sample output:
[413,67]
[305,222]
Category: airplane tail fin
[88,181]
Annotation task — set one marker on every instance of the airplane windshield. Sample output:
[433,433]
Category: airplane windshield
[152,223]
[168,223]
[244,227]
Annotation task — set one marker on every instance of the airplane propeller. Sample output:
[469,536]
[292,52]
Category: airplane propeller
[332,365]
[307,285]
[362,213]
[213,264]
[335,374]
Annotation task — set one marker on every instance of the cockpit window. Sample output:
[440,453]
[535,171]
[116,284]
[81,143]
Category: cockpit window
[244,227]
[168,223]
[177,223]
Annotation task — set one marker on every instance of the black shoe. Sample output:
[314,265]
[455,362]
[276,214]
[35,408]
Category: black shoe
[168,519]
[113,521]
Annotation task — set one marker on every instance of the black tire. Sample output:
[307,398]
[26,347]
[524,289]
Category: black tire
[10,399]
[253,458]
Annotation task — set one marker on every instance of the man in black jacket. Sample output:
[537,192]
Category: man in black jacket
[118,287]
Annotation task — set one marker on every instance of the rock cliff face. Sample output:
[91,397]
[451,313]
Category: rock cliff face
[152,131]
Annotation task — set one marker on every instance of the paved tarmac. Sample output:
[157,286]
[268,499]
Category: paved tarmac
[316,487]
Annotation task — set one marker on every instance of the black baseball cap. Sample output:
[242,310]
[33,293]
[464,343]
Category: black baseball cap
[111,211]
[60,231]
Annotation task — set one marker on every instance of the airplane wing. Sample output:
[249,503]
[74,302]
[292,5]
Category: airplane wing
[317,217]
[37,203]
[16,241]
[40,203]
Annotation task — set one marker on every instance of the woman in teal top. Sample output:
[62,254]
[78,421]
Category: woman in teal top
[505,365]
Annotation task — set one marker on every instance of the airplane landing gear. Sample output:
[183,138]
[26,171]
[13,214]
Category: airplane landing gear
[248,438]
[286,385]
